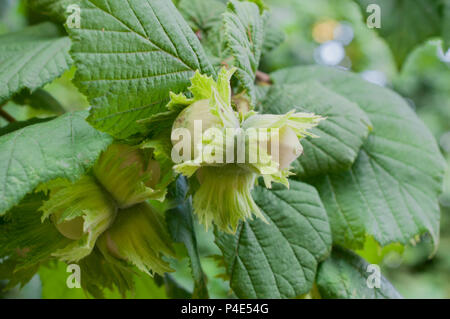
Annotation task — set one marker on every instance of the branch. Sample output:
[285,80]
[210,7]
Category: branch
[263,77]
[5,115]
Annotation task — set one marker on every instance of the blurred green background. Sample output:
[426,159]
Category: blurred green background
[329,32]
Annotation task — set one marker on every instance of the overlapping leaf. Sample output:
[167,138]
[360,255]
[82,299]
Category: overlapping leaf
[391,191]
[345,275]
[130,55]
[244,35]
[31,58]
[25,241]
[273,34]
[278,259]
[64,147]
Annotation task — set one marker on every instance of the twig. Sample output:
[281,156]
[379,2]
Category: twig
[263,77]
[199,34]
[5,115]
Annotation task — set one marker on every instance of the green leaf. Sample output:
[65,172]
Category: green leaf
[374,254]
[98,275]
[15,277]
[130,55]
[260,3]
[391,191]
[215,45]
[32,58]
[278,259]
[181,227]
[345,275]
[406,24]
[341,135]
[53,277]
[446,26]
[64,147]
[261,94]
[273,34]
[4,6]
[244,35]
[24,239]
[202,15]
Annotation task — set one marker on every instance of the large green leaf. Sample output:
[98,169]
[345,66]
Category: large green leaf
[345,275]
[341,135]
[181,228]
[406,23]
[244,35]
[26,241]
[278,259]
[391,191]
[31,58]
[64,147]
[130,55]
